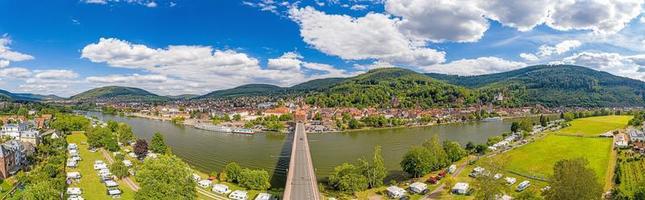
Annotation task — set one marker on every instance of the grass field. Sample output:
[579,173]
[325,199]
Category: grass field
[89,183]
[594,126]
[538,158]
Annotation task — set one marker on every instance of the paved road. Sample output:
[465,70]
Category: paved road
[301,180]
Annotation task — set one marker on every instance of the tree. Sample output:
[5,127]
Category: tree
[354,124]
[543,121]
[124,133]
[237,117]
[568,116]
[158,145]
[112,125]
[119,169]
[440,158]
[166,177]
[454,150]
[254,179]
[141,148]
[348,178]
[526,125]
[470,146]
[110,143]
[572,179]
[417,161]
[37,191]
[233,172]
[515,126]
[489,188]
[375,172]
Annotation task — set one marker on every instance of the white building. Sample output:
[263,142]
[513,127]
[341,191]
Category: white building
[621,141]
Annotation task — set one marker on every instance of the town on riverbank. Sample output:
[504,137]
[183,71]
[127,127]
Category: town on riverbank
[538,158]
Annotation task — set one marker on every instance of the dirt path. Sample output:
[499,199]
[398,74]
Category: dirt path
[209,195]
[127,180]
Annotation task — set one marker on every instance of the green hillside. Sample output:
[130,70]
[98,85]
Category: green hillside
[117,93]
[392,87]
[316,85]
[245,90]
[554,85]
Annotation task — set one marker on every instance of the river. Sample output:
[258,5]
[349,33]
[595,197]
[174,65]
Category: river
[209,151]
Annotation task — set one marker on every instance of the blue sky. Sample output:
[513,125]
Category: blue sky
[177,47]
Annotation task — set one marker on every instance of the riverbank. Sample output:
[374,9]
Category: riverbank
[195,123]
[209,151]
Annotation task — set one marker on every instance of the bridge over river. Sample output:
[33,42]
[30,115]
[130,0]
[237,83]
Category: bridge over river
[301,179]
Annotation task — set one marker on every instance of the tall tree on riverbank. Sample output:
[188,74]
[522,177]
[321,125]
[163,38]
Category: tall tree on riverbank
[454,151]
[348,178]
[232,172]
[417,161]
[375,171]
[254,179]
[141,148]
[158,145]
[124,133]
[572,179]
[440,158]
[166,177]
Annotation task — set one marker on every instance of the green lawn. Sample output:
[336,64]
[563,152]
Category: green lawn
[538,158]
[89,183]
[594,126]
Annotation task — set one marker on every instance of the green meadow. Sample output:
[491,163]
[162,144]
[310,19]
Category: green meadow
[594,126]
[537,158]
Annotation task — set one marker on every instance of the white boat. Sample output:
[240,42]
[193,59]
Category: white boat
[215,128]
[243,131]
[492,119]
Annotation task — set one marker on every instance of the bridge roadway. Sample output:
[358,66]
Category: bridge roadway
[301,180]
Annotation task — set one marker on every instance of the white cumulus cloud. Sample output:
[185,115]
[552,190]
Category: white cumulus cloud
[477,66]
[374,36]
[199,69]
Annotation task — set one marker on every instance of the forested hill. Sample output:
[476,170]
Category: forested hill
[9,96]
[555,85]
[269,90]
[392,87]
[117,94]
[549,85]
[245,90]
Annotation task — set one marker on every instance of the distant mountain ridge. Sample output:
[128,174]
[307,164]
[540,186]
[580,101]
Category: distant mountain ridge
[267,89]
[9,96]
[117,93]
[549,85]
[556,85]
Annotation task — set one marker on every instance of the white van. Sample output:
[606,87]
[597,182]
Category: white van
[523,185]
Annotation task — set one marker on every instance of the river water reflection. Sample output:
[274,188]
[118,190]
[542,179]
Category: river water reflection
[209,151]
